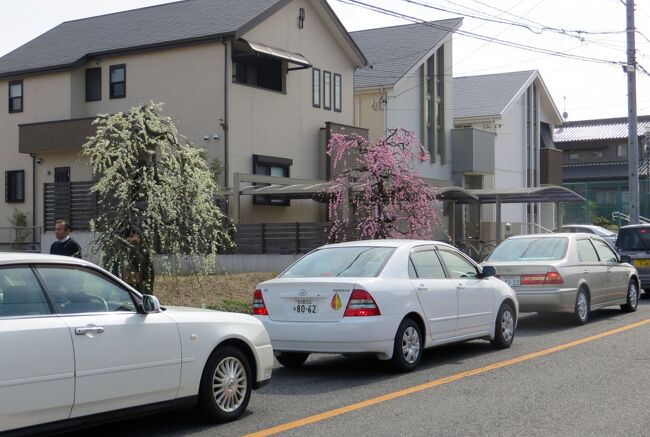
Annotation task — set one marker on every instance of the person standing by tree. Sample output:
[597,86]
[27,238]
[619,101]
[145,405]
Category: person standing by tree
[64,245]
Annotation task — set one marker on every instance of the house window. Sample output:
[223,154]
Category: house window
[118,81]
[315,76]
[587,154]
[621,150]
[16,96]
[15,186]
[327,90]
[337,92]
[62,174]
[255,69]
[93,84]
[271,166]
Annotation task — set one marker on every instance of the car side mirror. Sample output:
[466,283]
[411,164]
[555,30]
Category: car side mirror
[488,271]
[626,259]
[150,304]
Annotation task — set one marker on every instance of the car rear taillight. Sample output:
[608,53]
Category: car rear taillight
[552,277]
[361,304]
[259,308]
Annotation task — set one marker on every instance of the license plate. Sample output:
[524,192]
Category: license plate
[304,306]
[513,281]
[641,263]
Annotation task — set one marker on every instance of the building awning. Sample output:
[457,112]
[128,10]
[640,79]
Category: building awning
[457,194]
[293,58]
[551,193]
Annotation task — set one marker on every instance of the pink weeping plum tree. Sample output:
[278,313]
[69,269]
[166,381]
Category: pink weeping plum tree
[386,197]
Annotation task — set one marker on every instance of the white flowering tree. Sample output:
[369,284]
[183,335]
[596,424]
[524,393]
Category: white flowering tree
[155,195]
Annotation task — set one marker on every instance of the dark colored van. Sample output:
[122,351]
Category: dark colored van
[634,240]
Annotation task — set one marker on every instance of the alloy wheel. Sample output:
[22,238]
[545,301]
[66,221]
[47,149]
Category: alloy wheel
[229,384]
[582,306]
[507,326]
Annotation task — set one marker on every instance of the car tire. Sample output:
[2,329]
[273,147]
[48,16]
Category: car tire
[226,385]
[504,327]
[407,348]
[632,297]
[581,309]
[292,359]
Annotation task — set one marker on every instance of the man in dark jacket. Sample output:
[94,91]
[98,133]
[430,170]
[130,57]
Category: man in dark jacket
[64,245]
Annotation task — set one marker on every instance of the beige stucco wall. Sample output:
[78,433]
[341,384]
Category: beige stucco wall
[45,97]
[286,125]
[369,113]
[190,81]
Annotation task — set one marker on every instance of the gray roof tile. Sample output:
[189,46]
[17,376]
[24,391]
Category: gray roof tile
[487,95]
[393,51]
[69,42]
[603,129]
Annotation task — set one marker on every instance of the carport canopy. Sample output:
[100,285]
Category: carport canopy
[306,189]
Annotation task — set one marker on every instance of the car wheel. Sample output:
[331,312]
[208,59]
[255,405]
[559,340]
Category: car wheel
[504,329]
[581,310]
[225,385]
[407,349]
[292,359]
[632,297]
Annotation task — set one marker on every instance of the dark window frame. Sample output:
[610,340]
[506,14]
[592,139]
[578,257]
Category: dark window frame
[14,98]
[16,192]
[338,96]
[89,76]
[112,84]
[327,90]
[315,87]
[271,161]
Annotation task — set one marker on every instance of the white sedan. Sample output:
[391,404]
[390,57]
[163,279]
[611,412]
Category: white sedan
[388,297]
[78,344]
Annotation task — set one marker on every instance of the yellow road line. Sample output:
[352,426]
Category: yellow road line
[437,382]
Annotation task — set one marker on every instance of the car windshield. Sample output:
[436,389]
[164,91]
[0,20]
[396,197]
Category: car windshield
[351,261]
[633,239]
[530,249]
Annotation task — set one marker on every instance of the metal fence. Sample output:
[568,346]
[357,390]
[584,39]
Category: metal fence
[71,201]
[280,238]
[602,199]
[20,238]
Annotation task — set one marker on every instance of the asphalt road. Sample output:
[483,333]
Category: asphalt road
[597,387]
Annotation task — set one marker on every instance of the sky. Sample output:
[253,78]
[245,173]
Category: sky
[585,88]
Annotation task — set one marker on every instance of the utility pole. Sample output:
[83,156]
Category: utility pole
[632,138]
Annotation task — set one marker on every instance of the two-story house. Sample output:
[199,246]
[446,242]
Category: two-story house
[518,111]
[253,82]
[408,84]
[595,164]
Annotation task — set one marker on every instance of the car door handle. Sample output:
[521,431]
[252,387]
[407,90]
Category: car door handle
[89,330]
[422,288]
[586,272]
[460,287]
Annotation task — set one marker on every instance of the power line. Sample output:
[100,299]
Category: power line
[492,18]
[478,36]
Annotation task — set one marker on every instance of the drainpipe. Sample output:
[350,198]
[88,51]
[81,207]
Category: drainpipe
[224,125]
[33,197]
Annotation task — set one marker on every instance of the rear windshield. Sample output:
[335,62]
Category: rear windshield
[530,249]
[351,261]
[633,239]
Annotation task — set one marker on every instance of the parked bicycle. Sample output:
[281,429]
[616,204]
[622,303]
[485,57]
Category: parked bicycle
[478,250]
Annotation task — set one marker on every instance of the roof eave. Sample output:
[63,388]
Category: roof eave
[113,52]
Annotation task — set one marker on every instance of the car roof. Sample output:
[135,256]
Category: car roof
[22,257]
[554,234]
[395,242]
[640,225]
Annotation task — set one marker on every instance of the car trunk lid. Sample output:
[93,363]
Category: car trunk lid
[314,300]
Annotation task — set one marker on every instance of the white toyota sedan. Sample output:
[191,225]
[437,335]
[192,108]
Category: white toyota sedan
[392,298]
[79,345]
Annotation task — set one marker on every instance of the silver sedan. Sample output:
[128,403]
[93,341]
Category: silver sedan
[569,272]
